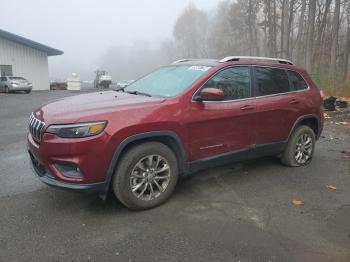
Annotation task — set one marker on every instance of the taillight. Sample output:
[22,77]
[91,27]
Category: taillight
[322,94]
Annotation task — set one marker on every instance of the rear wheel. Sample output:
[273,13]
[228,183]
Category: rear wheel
[300,148]
[7,90]
[146,176]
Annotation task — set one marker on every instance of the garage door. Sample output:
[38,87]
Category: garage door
[6,70]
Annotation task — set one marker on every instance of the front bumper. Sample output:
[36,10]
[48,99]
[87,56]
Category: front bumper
[46,177]
[84,153]
[20,88]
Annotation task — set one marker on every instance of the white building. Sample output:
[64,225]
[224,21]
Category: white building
[23,57]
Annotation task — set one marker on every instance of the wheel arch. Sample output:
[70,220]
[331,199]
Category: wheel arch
[310,120]
[169,138]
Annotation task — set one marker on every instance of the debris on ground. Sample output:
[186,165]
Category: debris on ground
[331,187]
[341,104]
[297,202]
[329,103]
[332,102]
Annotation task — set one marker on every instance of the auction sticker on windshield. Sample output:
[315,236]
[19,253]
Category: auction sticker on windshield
[199,68]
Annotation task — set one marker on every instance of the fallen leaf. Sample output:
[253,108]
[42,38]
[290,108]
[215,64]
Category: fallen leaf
[346,154]
[326,116]
[342,123]
[331,187]
[297,202]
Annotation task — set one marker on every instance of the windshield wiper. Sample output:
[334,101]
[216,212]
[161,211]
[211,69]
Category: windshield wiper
[120,89]
[138,93]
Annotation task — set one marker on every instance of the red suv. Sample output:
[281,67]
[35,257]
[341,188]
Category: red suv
[181,118]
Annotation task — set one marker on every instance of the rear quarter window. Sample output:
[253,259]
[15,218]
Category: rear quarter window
[297,81]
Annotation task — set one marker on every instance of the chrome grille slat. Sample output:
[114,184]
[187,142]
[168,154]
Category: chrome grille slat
[35,127]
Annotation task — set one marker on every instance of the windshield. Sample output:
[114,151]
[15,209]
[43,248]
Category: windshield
[16,78]
[168,81]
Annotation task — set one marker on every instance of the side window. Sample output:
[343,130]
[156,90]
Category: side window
[3,79]
[296,80]
[233,81]
[271,81]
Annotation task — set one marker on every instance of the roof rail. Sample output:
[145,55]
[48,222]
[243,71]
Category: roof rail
[238,58]
[182,60]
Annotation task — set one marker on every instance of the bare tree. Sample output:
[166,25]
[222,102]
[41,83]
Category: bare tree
[299,40]
[311,34]
[347,43]
[334,49]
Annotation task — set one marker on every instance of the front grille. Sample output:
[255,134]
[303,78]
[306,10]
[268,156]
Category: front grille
[35,127]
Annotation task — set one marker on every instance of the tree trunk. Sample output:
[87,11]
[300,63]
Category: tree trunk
[250,27]
[271,13]
[311,33]
[347,48]
[334,49]
[289,29]
[299,48]
[320,35]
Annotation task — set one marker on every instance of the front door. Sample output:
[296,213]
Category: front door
[219,127]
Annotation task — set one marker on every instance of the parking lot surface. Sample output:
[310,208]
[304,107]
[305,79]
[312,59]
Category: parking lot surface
[238,212]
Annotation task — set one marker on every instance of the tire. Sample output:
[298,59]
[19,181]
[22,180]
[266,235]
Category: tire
[300,148]
[28,91]
[7,90]
[137,184]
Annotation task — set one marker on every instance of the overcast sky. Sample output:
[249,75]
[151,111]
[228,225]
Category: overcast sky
[85,29]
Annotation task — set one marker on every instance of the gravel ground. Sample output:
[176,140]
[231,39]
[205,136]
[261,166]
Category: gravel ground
[239,212]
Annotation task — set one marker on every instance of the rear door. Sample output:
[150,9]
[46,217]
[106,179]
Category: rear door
[278,104]
[224,126]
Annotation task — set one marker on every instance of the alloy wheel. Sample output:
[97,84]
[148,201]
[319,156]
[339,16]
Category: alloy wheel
[150,177]
[303,149]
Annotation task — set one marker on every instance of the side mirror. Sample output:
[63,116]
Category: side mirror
[210,94]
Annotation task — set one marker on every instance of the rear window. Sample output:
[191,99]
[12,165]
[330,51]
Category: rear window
[297,81]
[271,81]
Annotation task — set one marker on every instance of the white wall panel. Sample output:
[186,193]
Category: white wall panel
[30,63]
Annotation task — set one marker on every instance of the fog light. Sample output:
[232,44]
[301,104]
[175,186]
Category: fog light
[69,170]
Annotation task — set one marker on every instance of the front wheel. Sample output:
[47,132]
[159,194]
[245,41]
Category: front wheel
[146,176]
[300,148]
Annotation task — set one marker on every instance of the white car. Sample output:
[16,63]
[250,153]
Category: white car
[15,83]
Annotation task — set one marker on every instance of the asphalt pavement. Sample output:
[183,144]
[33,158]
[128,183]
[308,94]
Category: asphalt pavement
[238,212]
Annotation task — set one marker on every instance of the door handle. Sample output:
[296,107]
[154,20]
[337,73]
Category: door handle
[247,107]
[294,101]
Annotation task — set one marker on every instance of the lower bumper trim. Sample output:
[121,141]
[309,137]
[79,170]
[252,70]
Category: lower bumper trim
[87,188]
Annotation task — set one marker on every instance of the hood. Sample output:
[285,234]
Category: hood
[71,109]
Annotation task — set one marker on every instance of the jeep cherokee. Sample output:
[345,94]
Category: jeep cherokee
[181,118]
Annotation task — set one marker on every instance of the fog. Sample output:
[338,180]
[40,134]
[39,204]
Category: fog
[98,34]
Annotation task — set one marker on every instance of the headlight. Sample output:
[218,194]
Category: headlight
[77,130]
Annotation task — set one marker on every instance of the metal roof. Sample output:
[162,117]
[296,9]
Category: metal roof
[27,42]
